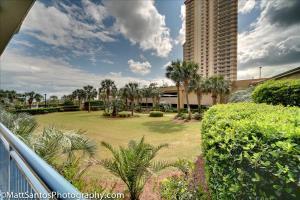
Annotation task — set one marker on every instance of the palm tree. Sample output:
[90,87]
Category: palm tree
[80,95]
[107,86]
[123,92]
[132,92]
[134,164]
[30,99]
[90,93]
[173,73]
[147,91]
[197,86]
[188,70]
[155,94]
[216,85]
[224,89]
[38,97]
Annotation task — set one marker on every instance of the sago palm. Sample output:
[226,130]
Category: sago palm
[134,164]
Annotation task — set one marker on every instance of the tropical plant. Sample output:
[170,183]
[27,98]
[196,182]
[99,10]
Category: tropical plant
[197,86]
[216,85]
[38,98]
[123,93]
[80,95]
[147,92]
[134,164]
[107,86]
[90,93]
[188,70]
[30,99]
[132,90]
[173,72]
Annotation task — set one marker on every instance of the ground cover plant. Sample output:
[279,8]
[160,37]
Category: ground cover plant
[252,151]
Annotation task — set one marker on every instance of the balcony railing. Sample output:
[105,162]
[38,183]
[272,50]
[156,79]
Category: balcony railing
[23,172]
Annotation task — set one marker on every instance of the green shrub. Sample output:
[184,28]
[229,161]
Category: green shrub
[106,114]
[252,151]
[285,92]
[156,114]
[70,108]
[95,105]
[39,111]
[197,116]
[124,114]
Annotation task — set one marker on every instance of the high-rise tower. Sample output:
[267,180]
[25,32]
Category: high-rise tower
[211,36]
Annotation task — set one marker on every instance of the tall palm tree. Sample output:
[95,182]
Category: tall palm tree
[80,95]
[132,92]
[134,164]
[197,86]
[173,73]
[30,99]
[38,97]
[216,85]
[147,91]
[123,92]
[188,70]
[107,86]
[90,93]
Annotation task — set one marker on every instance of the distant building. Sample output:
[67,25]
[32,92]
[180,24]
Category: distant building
[211,36]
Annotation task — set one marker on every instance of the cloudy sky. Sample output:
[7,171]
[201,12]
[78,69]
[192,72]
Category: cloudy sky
[64,44]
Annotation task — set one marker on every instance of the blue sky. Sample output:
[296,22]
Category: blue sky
[63,45]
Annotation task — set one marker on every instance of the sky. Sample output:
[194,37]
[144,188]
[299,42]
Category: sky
[66,44]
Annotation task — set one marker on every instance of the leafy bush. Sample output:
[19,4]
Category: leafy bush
[285,92]
[241,96]
[156,114]
[39,111]
[197,116]
[106,114]
[252,151]
[183,187]
[124,114]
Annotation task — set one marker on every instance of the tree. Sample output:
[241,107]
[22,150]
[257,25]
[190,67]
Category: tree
[188,70]
[132,92]
[107,86]
[155,94]
[216,85]
[134,164]
[123,93]
[197,86]
[80,95]
[30,99]
[173,72]
[147,92]
[90,93]
[38,97]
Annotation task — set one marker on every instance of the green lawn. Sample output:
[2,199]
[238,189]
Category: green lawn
[183,138]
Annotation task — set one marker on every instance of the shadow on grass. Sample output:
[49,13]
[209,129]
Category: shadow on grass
[164,126]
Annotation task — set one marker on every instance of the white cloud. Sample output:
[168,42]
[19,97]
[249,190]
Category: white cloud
[54,76]
[107,61]
[246,6]
[142,24]
[181,36]
[273,46]
[141,68]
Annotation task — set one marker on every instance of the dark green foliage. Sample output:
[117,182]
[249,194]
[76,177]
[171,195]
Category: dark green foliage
[39,111]
[285,92]
[252,151]
[95,105]
[156,114]
[70,108]
[197,116]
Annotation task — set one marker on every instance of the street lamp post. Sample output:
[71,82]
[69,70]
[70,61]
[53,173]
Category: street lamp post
[260,72]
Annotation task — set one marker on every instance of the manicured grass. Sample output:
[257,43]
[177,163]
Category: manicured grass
[183,139]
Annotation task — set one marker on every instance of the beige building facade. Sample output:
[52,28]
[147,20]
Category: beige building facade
[211,36]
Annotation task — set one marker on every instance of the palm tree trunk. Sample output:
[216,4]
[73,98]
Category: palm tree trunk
[178,98]
[147,103]
[132,107]
[199,98]
[214,98]
[89,106]
[187,100]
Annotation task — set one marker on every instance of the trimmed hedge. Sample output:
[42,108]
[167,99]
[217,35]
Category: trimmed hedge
[95,105]
[285,92]
[252,151]
[156,114]
[70,108]
[39,111]
[124,114]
